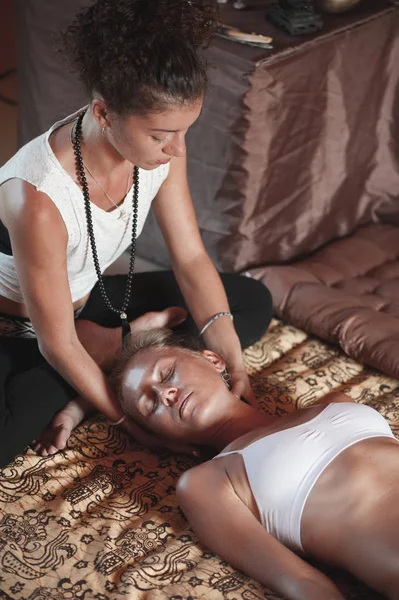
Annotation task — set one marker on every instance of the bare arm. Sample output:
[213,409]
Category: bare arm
[225,525]
[39,241]
[197,277]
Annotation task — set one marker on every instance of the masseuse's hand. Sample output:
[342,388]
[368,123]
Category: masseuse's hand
[155,441]
[240,384]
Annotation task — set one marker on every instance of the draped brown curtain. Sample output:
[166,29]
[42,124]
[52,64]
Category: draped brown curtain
[294,148]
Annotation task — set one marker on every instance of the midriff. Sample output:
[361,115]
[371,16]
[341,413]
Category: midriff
[348,495]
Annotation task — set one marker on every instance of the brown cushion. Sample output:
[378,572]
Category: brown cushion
[347,293]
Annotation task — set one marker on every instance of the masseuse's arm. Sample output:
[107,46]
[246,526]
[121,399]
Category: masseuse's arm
[226,525]
[196,275]
[39,241]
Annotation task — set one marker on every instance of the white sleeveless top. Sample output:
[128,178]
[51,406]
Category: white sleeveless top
[36,163]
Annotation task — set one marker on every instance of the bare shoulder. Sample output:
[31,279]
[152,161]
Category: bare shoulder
[22,202]
[177,167]
[17,193]
[177,175]
[202,480]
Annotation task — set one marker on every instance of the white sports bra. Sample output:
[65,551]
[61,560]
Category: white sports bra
[36,163]
[283,467]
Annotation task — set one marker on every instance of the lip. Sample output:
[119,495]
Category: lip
[164,162]
[184,403]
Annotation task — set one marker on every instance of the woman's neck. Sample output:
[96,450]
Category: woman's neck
[240,421]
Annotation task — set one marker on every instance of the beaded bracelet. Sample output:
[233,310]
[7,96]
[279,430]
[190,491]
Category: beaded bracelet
[212,319]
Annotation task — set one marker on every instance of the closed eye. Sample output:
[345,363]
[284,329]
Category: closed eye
[155,402]
[167,375]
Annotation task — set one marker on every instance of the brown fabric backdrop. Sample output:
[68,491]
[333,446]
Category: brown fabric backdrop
[47,91]
[295,147]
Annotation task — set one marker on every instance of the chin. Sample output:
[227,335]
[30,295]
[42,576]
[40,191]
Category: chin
[149,166]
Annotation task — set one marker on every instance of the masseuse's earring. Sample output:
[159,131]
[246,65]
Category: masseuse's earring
[103,131]
[226,378]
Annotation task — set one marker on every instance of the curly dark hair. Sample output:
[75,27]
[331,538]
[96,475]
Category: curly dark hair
[142,55]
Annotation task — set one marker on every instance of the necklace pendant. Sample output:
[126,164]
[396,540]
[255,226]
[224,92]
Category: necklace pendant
[123,216]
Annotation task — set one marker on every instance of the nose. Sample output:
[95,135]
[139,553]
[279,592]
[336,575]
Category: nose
[177,145]
[169,395]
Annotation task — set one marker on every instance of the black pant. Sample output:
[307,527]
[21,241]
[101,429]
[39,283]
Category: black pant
[31,391]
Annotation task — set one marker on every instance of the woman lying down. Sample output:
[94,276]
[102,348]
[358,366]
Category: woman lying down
[320,482]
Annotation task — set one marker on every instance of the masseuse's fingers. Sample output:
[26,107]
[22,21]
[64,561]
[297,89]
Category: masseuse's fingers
[176,316]
[182,449]
[138,433]
[241,386]
[155,441]
[170,317]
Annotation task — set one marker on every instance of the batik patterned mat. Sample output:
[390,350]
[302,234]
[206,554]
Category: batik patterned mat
[100,520]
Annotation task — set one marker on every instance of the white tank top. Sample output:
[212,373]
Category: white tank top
[36,163]
[283,467]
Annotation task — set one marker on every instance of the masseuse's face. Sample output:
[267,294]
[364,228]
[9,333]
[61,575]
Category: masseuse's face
[154,139]
[177,394]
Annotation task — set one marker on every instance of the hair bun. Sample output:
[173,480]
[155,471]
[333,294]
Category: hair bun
[124,48]
[194,20]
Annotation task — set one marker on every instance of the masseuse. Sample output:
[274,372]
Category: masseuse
[76,197]
[320,482]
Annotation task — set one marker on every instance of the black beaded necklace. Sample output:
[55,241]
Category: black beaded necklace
[76,137]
